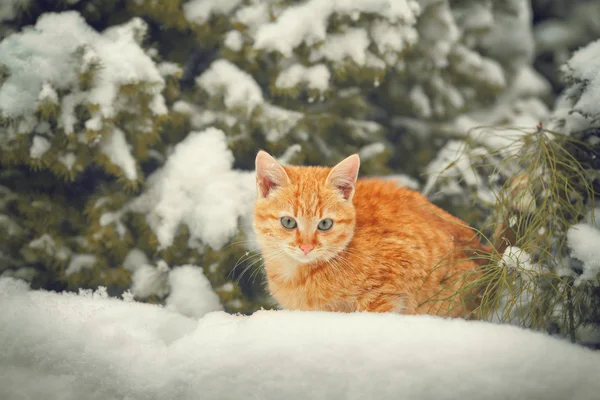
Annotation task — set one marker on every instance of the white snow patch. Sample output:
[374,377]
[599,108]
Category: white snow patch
[584,67]
[371,150]
[517,258]
[191,293]
[200,11]
[148,280]
[116,148]
[48,94]
[79,262]
[68,160]
[110,348]
[339,47]
[39,147]
[50,56]
[197,187]
[584,241]
[307,22]
[238,87]
[314,77]
[233,40]
[135,258]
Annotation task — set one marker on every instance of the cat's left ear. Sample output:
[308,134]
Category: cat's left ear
[343,176]
[269,174]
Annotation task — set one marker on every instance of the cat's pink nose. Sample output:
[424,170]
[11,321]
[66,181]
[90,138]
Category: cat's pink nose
[306,248]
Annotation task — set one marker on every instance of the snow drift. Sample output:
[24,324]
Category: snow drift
[68,346]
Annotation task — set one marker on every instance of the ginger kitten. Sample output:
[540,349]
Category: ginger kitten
[332,242]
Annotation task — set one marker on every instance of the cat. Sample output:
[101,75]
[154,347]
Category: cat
[332,242]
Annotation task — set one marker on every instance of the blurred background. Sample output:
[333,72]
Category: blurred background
[128,131]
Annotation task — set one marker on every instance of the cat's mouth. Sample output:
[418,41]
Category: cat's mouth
[304,258]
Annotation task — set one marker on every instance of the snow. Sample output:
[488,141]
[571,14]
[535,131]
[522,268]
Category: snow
[233,40]
[45,56]
[191,293]
[48,94]
[393,38]
[110,348]
[307,23]
[238,87]
[200,11]
[277,122]
[135,258]
[148,280]
[352,44]
[584,67]
[79,262]
[115,147]
[68,160]
[584,242]
[371,150]
[314,77]
[39,147]
[198,187]
[517,258]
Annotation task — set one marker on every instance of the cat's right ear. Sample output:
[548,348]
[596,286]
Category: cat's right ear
[269,174]
[344,175]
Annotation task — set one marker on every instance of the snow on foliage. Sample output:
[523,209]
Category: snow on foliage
[63,78]
[45,55]
[584,241]
[583,72]
[110,348]
[190,293]
[307,23]
[197,187]
[237,87]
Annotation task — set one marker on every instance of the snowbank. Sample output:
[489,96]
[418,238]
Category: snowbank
[66,346]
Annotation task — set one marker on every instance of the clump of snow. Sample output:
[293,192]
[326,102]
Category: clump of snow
[148,280]
[371,150]
[200,11]
[238,88]
[79,262]
[453,164]
[39,147]
[314,77]
[115,147]
[351,44]
[190,292]
[169,69]
[110,348]
[276,122]
[48,94]
[135,259]
[46,244]
[44,56]
[307,22]
[68,160]
[234,40]
[583,69]
[517,258]
[198,187]
[584,241]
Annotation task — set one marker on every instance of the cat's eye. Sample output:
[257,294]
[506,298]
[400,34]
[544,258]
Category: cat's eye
[288,222]
[325,224]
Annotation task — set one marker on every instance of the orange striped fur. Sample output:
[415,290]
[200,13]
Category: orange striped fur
[389,249]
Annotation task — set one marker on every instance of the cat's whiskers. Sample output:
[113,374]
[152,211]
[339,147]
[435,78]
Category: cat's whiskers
[244,258]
